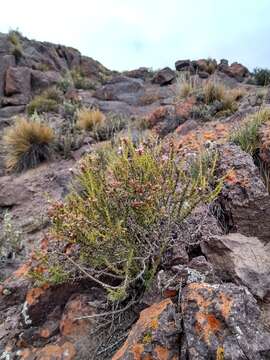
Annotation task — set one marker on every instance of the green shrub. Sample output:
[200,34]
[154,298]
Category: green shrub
[28,143]
[80,81]
[16,46]
[47,101]
[247,136]
[120,218]
[106,129]
[262,76]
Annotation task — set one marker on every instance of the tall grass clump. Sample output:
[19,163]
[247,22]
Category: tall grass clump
[122,213]
[186,85]
[88,118]
[247,136]
[28,143]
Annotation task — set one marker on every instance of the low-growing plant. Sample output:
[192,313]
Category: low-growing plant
[10,239]
[88,118]
[47,101]
[28,143]
[80,81]
[16,46]
[67,139]
[262,76]
[122,213]
[106,129]
[247,135]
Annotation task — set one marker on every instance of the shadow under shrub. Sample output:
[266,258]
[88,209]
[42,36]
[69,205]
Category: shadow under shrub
[119,219]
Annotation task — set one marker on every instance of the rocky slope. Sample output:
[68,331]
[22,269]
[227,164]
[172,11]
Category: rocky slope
[211,297]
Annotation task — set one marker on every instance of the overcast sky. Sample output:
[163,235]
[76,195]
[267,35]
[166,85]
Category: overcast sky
[125,34]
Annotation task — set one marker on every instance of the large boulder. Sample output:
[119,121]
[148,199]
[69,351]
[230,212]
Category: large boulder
[6,61]
[222,322]
[244,196]
[121,88]
[156,335]
[140,73]
[44,79]
[18,81]
[238,71]
[235,70]
[243,260]
[164,76]
[183,65]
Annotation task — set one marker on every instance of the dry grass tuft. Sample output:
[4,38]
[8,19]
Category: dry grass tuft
[87,119]
[28,143]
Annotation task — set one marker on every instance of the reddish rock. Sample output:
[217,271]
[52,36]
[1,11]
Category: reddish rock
[222,319]
[18,81]
[238,71]
[155,336]
[77,306]
[66,351]
[6,61]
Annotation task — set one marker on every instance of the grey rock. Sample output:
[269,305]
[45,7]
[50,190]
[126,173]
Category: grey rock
[8,111]
[244,196]
[164,76]
[140,73]
[182,65]
[223,322]
[243,260]
[44,79]
[203,74]
[121,89]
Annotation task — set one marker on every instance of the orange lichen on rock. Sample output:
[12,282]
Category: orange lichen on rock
[150,324]
[34,294]
[65,351]
[207,324]
[209,319]
[225,305]
[70,325]
[183,109]
[137,350]
[162,353]
[156,116]
[231,177]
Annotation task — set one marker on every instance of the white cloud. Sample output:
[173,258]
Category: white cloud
[124,34]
